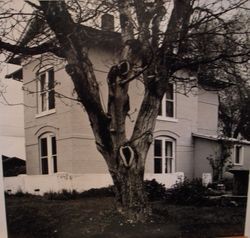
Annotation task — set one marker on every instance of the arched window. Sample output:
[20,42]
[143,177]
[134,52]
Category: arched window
[164,155]
[48,153]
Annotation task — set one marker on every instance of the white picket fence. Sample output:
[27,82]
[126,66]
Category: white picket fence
[40,184]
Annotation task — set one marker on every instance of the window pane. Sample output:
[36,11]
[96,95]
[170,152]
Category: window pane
[168,148]
[169,109]
[45,169]
[170,91]
[170,160]
[158,166]
[158,148]
[43,147]
[53,142]
[51,79]
[44,101]
[51,86]
[42,83]
[55,163]
[166,165]
[51,99]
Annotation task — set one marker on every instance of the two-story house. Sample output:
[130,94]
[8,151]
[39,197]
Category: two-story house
[59,137]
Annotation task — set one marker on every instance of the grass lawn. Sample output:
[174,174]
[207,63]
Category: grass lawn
[35,217]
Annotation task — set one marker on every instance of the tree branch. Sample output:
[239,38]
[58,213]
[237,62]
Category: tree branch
[43,48]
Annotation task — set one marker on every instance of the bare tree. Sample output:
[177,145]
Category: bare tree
[157,38]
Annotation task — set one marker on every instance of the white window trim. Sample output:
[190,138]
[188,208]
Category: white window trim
[241,155]
[46,113]
[41,113]
[163,117]
[169,119]
[163,138]
[49,156]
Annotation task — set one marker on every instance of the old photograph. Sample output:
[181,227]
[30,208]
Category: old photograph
[124,118]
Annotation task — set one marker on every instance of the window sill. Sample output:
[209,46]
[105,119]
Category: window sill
[169,119]
[46,113]
[236,164]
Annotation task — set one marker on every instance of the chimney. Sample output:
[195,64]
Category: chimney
[108,23]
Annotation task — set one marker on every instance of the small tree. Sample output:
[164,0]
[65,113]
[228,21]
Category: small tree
[221,161]
[158,38]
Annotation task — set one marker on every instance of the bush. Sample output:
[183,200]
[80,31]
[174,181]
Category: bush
[63,195]
[189,192]
[98,192]
[70,195]
[154,190]
[19,193]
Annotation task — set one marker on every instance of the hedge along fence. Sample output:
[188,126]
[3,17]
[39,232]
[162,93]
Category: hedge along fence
[40,184]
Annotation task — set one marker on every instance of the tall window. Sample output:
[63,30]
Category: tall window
[164,161]
[48,154]
[238,154]
[46,82]
[167,107]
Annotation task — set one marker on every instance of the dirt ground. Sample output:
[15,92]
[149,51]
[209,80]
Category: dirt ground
[35,217]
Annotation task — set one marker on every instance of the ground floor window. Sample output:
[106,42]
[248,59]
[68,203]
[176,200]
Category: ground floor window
[164,156]
[48,153]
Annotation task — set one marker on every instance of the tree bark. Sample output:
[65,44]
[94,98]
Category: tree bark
[131,199]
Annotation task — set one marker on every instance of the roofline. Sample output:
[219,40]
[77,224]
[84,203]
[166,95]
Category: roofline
[16,75]
[220,138]
[108,39]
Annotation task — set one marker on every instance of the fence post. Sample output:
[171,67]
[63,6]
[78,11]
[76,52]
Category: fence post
[3,223]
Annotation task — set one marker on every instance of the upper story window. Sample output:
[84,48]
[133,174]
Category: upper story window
[167,107]
[238,154]
[164,155]
[46,92]
[48,153]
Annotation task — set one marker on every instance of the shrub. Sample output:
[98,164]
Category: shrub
[19,193]
[98,192]
[155,191]
[189,192]
[69,195]
[63,195]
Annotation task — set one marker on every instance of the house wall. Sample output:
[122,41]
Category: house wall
[203,149]
[75,141]
[246,158]
[69,123]
[208,103]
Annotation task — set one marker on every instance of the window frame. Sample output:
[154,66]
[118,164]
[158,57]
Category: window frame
[45,94]
[171,160]
[164,101]
[50,156]
[241,154]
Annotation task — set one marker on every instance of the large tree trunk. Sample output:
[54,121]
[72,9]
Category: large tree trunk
[131,198]
[130,195]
